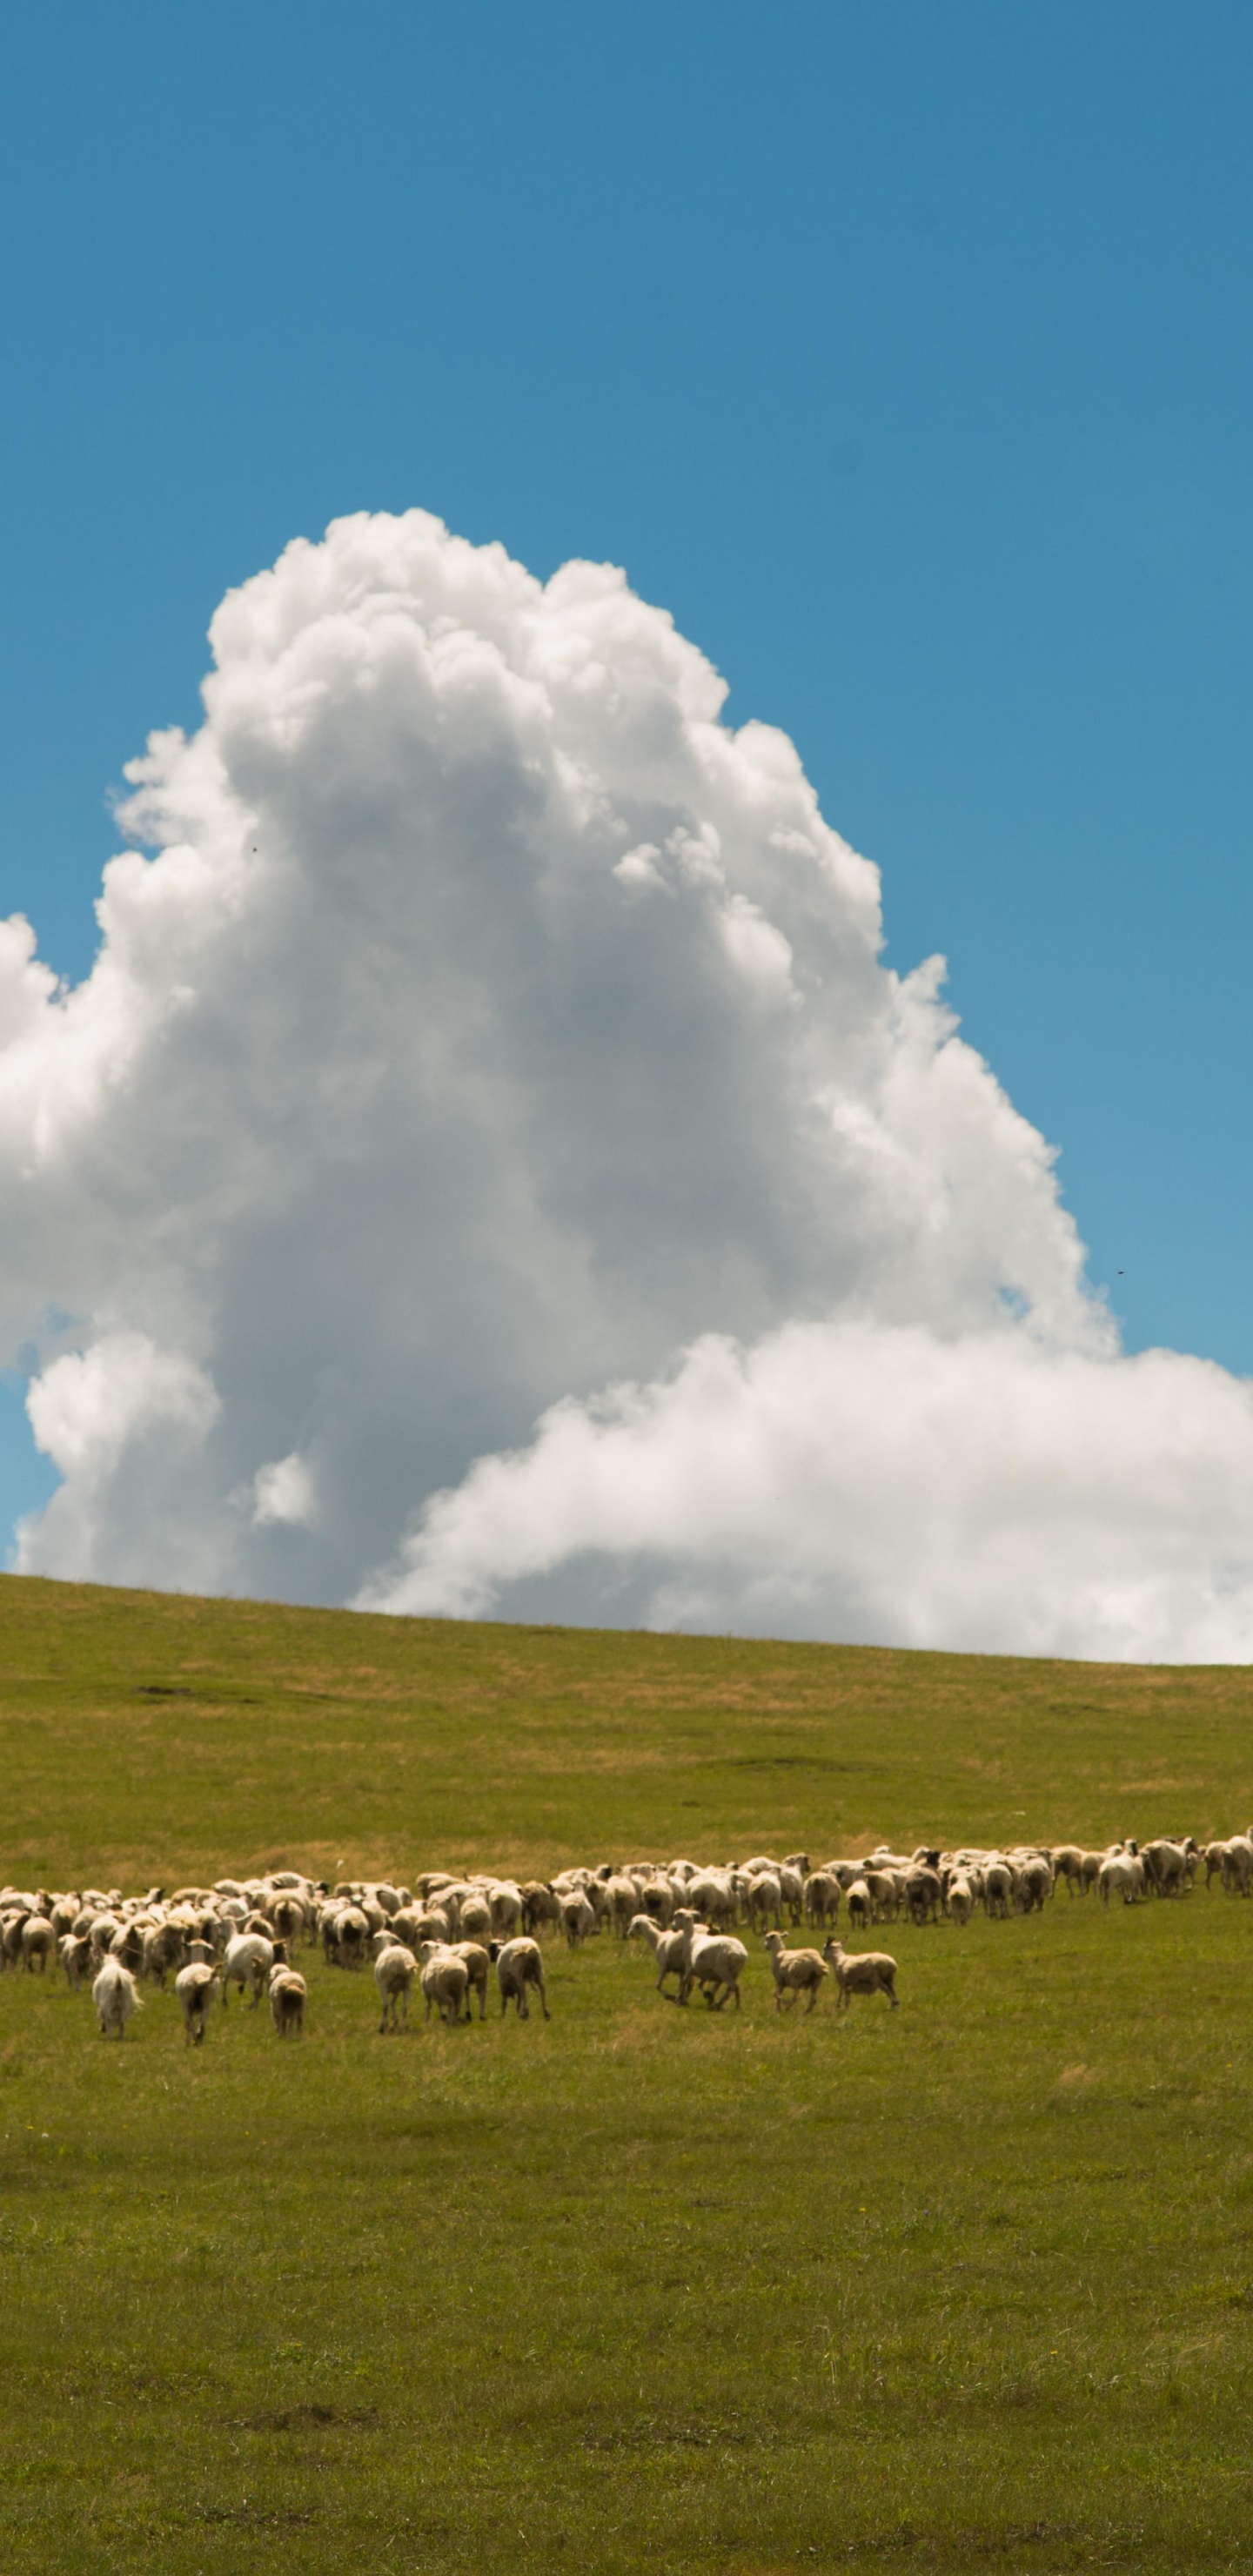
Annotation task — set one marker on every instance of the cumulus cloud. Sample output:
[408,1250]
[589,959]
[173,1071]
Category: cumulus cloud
[485,1036]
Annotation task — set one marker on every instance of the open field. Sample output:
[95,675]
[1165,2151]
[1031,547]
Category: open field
[965,2286]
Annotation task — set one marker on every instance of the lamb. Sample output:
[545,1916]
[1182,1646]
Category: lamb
[115,1996]
[796,1972]
[864,1972]
[444,1979]
[519,1964]
[288,1996]
[194,1988]
[668,1948]
[394,1971]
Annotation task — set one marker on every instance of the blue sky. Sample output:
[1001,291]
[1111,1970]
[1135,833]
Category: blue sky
[901,353]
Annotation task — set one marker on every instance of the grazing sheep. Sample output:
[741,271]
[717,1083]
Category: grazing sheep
[288,1996]
[115,1997]
[519,1964]
[864,1972]
[668,1948]
[194,1988]
[796,1972]
[1068,1864]
[394,1971]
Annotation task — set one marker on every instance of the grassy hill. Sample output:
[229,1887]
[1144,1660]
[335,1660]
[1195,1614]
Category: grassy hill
[966,2286]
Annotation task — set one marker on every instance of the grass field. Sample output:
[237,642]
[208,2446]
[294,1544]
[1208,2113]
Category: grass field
[966,2286]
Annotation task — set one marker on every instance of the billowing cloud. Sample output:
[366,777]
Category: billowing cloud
[484,1035]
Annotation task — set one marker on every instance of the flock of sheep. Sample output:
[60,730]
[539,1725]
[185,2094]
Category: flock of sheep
[449,1933]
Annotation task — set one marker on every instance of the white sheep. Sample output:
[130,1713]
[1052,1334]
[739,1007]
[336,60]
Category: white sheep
[711,1960]
[248,1961]
[796,1972]
[394,1971]
[519,1964]
[668,1948]
[115,1996]
[194,1988]
[288,1996]
[444,1979]
[864,1972]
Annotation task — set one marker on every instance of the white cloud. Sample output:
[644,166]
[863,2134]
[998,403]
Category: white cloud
[283,1491]
[492,1026]
[857,1480]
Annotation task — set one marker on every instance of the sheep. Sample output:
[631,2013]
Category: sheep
[623,1899]
[792,1881]
[115,1997]
[394,1971]
[248,1962]
[75,1959]
[712,1961]
[960,1898]
[288,1996]
[796,1972]
[863,1972]
[1034,1884]
[578,1919]
[764,1898]
[194,1988]
[540,1905]
[860,1903]
[39,1941]
[505,1902]
[477,1965]
[922,1895]
[1124,1872]
[1068,1864]
[822,1897]
[475,1919]
[163,1948]
[886,1892]
[444,1979]
[998,1889]
[519,1964]
[669,1950]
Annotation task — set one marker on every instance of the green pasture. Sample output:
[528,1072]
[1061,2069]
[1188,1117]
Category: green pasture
[965,2286]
